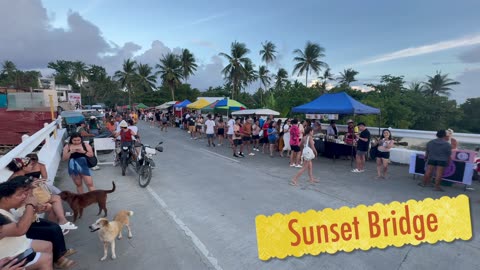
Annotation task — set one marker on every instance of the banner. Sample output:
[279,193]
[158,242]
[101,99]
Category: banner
[74,98]
[456,171]
[324,117]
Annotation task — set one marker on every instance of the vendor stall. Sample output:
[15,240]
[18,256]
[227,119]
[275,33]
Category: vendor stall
[338,103]
[259,112]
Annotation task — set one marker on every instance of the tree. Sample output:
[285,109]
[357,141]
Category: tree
[145,79]
[63,73]
[471,111]
[126,77]
[8,76]
[251,75]
[326,77]
[235,70]
[439,85]
[264,79]
[347,77]
[170,70]
[308,60]
[79,72]
[416,87]
[188,64]
[268,52]
[280,78]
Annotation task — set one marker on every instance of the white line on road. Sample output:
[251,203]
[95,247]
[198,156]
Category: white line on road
[218,155]
[196,241]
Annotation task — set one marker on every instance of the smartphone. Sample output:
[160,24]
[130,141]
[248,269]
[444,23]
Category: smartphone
[28,254]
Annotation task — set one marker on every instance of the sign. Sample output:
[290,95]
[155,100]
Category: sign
[324,117]
[74,98]
[456,171]
[363,227]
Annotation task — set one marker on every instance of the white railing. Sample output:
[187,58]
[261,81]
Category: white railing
[418,134]
[49,154]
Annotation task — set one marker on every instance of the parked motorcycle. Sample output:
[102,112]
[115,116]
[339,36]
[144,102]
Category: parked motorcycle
[143,164]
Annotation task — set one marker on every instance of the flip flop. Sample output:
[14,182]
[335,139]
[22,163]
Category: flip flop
[69,252]
[68,226]
[293,184]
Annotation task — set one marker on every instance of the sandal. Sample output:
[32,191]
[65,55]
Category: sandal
[293,184]
[68,226]
[64,263]
[69,252]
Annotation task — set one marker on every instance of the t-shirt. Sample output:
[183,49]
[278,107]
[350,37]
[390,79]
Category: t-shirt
[126,136]
[294,135]
[230,123]
[191,121]
[361,145]
[272,134]
[210,125]
[247,129]
[439,150]
[11,246]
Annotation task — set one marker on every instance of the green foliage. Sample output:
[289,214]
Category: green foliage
[309,60]
[471,115]
[10,76]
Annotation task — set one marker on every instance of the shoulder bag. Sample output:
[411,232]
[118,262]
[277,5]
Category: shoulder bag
[91,161]
[307,152]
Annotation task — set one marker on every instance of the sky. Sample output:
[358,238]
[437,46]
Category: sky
[409,38]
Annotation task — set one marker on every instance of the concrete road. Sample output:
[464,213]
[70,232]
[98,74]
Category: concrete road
[199,211]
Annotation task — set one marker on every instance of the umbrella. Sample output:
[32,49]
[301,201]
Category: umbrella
[199,104]
[230,104]
[142,106]
[210,107]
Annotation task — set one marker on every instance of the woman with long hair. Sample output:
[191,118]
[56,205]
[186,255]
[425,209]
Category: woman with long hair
[383,154]
[76,152]
[272,136]
[286,138]
[307,142]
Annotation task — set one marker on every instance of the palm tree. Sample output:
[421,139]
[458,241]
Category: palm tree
[416,87]
[235,70]
[8,68]
[264,80]
[171,72]
[327,76]
[268,52]
[439,85]
[280,78]
[347,77]
[126,77]
[251,75]
[79,72]
[145,80]
[96,73]
[188,64]
[308,60]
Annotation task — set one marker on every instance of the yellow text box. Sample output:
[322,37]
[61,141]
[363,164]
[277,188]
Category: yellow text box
[363,227]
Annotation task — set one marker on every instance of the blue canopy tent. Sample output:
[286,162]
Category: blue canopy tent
[182,104]
[338,103]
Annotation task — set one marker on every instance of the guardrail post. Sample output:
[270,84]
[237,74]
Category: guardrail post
[47,138]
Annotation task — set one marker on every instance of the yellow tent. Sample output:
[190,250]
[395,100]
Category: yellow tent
[197,105]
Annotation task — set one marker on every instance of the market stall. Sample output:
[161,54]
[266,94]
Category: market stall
[259,112]
[338,103]
[180,107]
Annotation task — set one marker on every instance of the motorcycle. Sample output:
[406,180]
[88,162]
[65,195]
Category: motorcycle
[142,164]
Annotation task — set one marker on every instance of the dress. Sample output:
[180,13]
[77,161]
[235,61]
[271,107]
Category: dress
[286,138]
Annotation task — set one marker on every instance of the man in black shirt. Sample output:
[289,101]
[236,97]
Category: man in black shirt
[363,142]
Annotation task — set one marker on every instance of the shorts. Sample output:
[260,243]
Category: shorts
[221,131]
[264,140]
[272,141]
[230,136]
[439,163]
[237,142]
[191,128]
[361,153]
[384,155]
[199,128]
[295,148]
[255,137]
[210,135]
[150,118]
[246,139]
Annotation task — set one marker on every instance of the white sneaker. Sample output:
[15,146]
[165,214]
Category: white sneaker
[355,170]
[95,168]
[298,166]
[293,165]
[251,154]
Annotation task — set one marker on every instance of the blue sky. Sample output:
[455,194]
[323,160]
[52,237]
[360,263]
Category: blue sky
[357,34]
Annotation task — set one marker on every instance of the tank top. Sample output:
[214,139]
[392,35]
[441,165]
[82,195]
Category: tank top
[12,246]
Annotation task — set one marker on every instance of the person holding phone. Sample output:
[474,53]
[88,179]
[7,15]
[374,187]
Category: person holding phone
[76,152]
[13,239]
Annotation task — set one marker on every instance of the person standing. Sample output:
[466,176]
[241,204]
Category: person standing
[76,152]
[272,136]
[294,144]
[437,156]
[452,141]
[332,129]
[363,142]
[383,153]
[307,142]
[210,130]
[255,135]
[230,127]
[237,139]
[286,138]
[247,135]
[220,131]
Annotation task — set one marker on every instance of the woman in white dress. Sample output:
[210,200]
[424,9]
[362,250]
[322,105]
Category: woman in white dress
[286,138]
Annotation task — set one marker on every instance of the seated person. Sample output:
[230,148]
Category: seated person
[31,167]
[126,135]
[13,238]
[82,129]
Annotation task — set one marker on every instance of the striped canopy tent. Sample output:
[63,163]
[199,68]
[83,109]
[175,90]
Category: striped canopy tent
[210,107]
[199,104]
[230,104]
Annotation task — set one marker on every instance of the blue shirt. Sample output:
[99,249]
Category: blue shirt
[272,134]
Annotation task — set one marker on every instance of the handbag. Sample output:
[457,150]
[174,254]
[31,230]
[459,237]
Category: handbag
[41,193]
[307,152]
[91,161]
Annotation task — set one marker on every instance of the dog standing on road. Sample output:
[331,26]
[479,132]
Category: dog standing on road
[80,201]
[108,230]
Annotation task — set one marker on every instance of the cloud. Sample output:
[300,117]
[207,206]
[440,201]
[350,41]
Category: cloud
[468,87]
[32,42]
[209,18]
[205,43]
[471,56]
[439,46]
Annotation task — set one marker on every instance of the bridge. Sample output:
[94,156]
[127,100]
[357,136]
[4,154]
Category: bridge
[199,210]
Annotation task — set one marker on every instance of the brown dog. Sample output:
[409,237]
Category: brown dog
[80,201]
[108,230]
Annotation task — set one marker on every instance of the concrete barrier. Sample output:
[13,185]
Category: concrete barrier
[49,154]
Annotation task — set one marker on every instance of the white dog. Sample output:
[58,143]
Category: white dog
[108,230]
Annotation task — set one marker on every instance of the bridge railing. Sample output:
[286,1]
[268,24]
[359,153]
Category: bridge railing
[51,136]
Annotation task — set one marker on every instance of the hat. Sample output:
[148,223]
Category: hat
[123,124]
[349,121]
[449,131]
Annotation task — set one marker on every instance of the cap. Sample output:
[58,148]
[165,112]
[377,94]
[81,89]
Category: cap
[349,121]
[93,117]
[123,124]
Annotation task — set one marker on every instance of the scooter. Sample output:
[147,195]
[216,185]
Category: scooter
[142,164]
